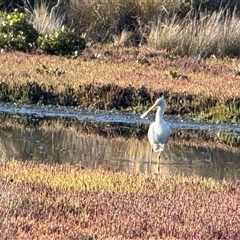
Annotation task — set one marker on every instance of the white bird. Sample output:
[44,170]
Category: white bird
[159,131]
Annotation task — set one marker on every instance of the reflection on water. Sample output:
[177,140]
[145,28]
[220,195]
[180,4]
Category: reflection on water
[63,144]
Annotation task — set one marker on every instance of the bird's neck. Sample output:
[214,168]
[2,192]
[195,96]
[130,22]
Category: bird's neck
[159,114]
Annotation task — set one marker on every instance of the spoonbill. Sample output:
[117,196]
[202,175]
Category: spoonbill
[159,131]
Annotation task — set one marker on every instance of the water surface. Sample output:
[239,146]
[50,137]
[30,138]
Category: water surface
[117,141]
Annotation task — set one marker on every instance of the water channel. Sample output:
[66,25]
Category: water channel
[117,141]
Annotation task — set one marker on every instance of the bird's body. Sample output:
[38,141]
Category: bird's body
[159,130]
[158,136]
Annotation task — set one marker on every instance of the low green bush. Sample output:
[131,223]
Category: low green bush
[61,42]
[16,33]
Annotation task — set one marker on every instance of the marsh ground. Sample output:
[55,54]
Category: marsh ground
[125,78]
[156,70]
[67,202]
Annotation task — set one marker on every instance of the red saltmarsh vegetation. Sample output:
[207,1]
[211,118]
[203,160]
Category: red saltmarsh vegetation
[158,71]
[41,201]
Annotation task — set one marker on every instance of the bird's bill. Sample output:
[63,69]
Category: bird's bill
[144,114]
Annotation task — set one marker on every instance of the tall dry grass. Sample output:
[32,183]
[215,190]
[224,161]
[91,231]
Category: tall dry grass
[101,20]
[199,36]
[158,23]
[43,21]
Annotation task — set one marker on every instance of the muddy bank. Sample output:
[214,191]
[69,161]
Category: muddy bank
[115,124]
[131,99]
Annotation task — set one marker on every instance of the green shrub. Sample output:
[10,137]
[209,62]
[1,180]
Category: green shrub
[16,33]
[61,42]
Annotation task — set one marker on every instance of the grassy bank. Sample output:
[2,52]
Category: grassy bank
[106,77]
[67,202]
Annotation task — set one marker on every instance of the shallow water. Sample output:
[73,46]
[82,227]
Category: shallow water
[115,140]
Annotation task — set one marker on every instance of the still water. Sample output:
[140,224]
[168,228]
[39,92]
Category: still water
[117,141]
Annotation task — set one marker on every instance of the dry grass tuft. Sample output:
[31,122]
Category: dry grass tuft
[43,21]
[122,39]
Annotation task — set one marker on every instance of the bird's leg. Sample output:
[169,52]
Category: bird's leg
[158,164]
[151,156]
[150,162]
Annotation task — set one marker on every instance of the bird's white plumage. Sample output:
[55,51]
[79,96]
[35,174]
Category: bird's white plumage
[159,130]
[158,135]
